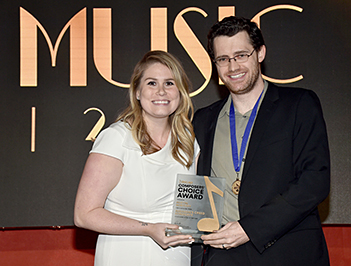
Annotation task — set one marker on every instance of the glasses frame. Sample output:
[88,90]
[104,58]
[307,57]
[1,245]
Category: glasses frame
[228,59]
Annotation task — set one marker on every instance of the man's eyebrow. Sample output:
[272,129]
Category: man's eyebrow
[244,51]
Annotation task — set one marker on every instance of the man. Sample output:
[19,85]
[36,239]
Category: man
[271,145]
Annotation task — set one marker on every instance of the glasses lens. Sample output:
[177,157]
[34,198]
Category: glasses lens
[242,58]
[222,61]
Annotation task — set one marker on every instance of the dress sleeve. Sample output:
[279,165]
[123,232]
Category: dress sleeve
[109,142]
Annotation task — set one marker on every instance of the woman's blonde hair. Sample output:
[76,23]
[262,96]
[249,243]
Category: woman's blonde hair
[182,133]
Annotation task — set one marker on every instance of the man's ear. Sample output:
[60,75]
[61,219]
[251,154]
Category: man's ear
[262,54]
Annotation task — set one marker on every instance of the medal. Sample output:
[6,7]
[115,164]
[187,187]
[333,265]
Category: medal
[236,187]
[238,156]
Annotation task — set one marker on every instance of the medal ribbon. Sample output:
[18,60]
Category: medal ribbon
[236,160]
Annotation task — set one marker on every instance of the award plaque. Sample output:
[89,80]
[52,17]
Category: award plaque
[198,205]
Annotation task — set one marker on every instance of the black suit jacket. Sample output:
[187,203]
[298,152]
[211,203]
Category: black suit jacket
[286,175]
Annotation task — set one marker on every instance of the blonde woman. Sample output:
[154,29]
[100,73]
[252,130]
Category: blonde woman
[127,187]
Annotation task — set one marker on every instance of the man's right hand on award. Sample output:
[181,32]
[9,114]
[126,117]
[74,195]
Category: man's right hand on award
[229,236]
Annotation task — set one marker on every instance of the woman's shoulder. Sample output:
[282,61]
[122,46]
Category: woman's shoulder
[119,126]
[116,132]
[110,140]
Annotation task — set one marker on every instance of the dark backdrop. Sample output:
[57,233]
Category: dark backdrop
[37,188]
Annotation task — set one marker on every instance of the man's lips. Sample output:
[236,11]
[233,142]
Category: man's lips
[236,76]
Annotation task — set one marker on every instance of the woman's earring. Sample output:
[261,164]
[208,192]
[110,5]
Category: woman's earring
[138,97]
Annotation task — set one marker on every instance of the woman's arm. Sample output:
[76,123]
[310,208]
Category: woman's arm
[101,174]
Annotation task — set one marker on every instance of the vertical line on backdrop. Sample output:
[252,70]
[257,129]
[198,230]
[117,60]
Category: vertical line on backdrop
[32,142]
[158,29]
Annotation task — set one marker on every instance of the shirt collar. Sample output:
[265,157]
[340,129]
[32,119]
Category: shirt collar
[226,108]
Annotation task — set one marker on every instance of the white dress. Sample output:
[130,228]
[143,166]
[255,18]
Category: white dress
[145,192]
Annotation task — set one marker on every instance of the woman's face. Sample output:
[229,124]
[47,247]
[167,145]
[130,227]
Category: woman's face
[158,94]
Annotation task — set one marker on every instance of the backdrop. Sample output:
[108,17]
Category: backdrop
[65,69]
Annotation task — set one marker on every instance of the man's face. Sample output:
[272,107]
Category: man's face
[239,78]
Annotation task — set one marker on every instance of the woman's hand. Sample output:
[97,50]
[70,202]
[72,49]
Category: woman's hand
[157,233]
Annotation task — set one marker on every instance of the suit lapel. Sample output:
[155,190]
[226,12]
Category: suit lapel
[264,115]
[207,136]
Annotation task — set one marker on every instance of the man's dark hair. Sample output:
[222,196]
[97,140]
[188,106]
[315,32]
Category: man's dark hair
[230,26]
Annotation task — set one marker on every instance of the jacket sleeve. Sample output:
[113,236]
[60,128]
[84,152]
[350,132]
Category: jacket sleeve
[308,185]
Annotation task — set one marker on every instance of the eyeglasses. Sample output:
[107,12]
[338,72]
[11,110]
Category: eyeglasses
[240,58]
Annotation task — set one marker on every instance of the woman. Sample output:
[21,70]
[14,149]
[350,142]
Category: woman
[127,188]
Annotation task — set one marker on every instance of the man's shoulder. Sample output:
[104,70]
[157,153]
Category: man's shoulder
[290,93]
[293,98]
[288,89]
[216,106]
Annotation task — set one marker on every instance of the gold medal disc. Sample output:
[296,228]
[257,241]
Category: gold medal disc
[236,187]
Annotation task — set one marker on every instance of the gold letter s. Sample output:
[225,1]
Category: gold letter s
[193,47]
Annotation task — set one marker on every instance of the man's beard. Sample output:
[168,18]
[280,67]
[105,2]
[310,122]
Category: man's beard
[245,88]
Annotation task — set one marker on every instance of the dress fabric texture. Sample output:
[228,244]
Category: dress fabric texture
[145,192]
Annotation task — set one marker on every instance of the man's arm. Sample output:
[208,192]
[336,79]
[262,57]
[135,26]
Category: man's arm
[310,186]
[284,211]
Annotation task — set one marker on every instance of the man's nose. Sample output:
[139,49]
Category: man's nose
[233,65]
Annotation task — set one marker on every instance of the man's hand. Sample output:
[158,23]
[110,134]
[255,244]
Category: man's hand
[229,236]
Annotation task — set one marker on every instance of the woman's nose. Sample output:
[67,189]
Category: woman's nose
[161,90]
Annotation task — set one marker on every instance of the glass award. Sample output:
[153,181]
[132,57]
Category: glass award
[198,205]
